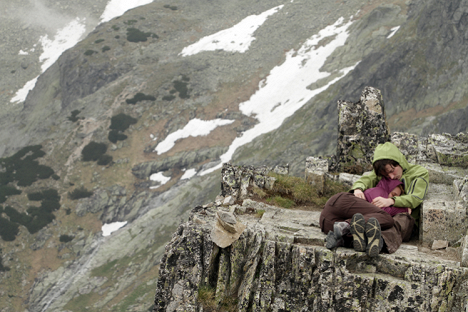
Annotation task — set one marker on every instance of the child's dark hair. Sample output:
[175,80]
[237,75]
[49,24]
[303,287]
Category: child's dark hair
[379,165]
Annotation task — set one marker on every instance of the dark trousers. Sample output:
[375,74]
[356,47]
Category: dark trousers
[342,207]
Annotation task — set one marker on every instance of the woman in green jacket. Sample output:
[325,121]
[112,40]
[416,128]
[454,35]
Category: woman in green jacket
[348,215]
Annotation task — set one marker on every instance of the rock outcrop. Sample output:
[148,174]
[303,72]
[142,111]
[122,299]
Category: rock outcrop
[279,262]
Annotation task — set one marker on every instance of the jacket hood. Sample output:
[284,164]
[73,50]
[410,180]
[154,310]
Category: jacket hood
[390,151]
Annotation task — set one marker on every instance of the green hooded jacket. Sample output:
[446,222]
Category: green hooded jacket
[415,178]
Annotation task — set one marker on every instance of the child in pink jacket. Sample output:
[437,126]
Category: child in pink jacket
[387,188]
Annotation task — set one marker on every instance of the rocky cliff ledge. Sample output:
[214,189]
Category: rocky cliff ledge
[238,254]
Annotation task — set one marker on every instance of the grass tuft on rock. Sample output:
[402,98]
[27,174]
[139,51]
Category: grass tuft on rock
[206,297]
[90,52]
[281,201]
[49,194]
[290,191]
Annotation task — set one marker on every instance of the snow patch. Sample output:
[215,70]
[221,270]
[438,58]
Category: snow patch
[195,127]
[188,174]
[393,31]
[235,39]
[285,90]
[159,177]
[107,229]
[65,38]
[116,8]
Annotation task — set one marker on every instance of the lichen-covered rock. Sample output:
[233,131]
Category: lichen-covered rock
[273,267]
[408,145]
[464,251]
[361,127]
[315,171]
[451,150]
[236,180]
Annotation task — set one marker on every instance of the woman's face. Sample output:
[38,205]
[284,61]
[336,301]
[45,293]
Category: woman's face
[395,192]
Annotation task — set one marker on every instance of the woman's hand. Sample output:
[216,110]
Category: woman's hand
[359,193]
[383,202]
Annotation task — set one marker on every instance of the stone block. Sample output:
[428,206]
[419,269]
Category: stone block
[408,145]
[442,220]
[451,150]
[439,244]
[461,189]
[315,171]
[464,253]
[439,174]
[348,179]
[284,170]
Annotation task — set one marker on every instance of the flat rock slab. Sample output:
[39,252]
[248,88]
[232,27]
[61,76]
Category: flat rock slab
[302,227]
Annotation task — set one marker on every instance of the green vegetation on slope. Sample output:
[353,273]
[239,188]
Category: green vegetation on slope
[290,191]
[140,97]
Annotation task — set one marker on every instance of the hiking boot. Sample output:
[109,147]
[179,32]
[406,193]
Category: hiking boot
[358,226]
[341,229]
[373,233]
[332,241]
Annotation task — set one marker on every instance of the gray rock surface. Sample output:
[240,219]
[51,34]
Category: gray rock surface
[279,264]
[361,127]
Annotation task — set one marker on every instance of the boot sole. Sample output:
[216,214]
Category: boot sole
[358,226]
[373,233]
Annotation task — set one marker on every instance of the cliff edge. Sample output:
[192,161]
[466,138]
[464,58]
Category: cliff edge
[243,254]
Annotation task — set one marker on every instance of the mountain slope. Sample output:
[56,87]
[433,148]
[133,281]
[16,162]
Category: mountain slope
[127,86]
